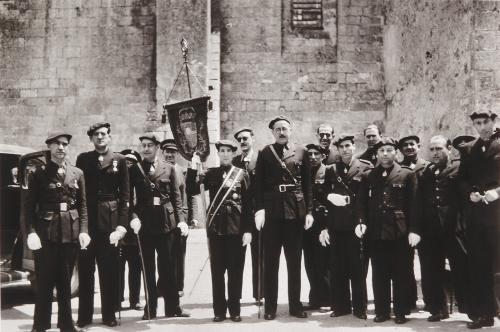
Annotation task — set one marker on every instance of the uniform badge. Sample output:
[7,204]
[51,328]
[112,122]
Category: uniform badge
[60,171]
[76,184]
[100,158]
[152,185]
[370,193]
[412,166]
[436,172]
[235,196]
[58,184]
[43,168]
[152,170]
[483,148]
[345,170]
[115,166]
[384,174]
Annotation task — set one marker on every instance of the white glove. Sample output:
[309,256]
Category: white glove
[195,222]
[135,224]
[324,238]
[337,200]
[184,228]
[491,195]
[33,241]
[360,230]
[195,161]
[309,221]
[413,239]
[475,197]
[247,239]
[117,235]
[84,240]
[260,219]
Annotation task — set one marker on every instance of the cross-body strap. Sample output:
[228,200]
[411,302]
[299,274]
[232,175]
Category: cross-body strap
[148,180]
[283,165]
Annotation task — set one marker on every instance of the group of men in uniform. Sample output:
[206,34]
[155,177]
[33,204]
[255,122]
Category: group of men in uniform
[340,208]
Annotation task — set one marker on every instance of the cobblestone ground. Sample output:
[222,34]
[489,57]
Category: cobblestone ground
[17,307]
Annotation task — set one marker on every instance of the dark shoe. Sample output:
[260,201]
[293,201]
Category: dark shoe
[81,324]
[111,323]
[269,316]
[400,319]
[311,307]
[236,318]
[361,315]
[381,319]
[136,306]
[70,329]
[481,322]
[299,314]
[218,319]
[434,318]
[146,317]
[177,313]
[36,330]
[339,313]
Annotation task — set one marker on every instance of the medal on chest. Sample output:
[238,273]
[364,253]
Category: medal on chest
[384,174]
[115,166]
[60,171]
[100,158]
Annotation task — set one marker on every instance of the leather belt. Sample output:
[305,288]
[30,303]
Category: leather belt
[286,187]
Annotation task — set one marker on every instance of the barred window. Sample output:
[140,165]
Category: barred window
[307,14]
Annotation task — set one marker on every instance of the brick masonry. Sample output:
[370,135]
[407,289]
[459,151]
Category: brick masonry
[411,66]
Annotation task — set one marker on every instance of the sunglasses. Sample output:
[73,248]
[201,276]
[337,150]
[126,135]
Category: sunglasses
[325,135]
[242,139]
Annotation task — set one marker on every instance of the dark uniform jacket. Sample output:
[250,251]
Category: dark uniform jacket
[480,171]
[332,156]
[417,167]
[346,181]
[107,188]
[440,196]
[295,199]
[320,190]
[189,202]
[250,167]
[158,199]
[370,155]
[389,205]
[234,215]
[45,214]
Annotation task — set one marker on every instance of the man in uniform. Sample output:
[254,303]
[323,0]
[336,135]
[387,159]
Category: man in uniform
[315,255]
[156,214]
[56,215]
[410,147]
[325,138]
[129,250]
[348,262]
[479,177]
[283,193]
[372,136]
[388,208]
[189,208]
[248,160]
[107,189]
[228,227]
[459,142]
[441,200]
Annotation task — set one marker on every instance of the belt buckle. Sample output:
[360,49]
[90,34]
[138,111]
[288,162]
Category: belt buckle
[282,188]
[63,207]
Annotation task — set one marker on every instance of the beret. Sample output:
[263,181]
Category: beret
[226,142]
[483,114]
[96,126]
[408,138]
[278,118]
[386,141]
[344,137]
[56,134]
[151,137]
[313,146]
[459,140]
[168,143]
[131,155]
[242,129]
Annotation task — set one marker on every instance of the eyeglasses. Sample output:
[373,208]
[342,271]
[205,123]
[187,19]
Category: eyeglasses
[325,135]
[242,139]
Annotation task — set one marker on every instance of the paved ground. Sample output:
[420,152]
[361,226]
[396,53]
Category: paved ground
[17,308]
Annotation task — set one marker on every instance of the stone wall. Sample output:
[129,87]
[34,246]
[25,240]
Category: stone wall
[67,64]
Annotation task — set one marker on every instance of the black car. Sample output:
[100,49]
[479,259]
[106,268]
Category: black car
[16,260]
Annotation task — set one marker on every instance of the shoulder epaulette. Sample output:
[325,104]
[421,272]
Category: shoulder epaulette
[367,162]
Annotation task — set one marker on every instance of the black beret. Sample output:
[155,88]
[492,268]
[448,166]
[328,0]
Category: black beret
[408,138]
[96,126]
[55,135]
[344,137]
[131,155]
[459,140]
[386,141]
[242,129]
[278,118]
[226,142]
[168,143]
[313,146]
[151,137]
[483,114]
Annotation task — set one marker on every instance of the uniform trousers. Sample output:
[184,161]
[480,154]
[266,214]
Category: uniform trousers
[254,248]
[316,264]
[106,256]
[226,254]
[130,255]
[348,273]
[286,234]
[161,244]
[390,260]
[53,268]
[180,258]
